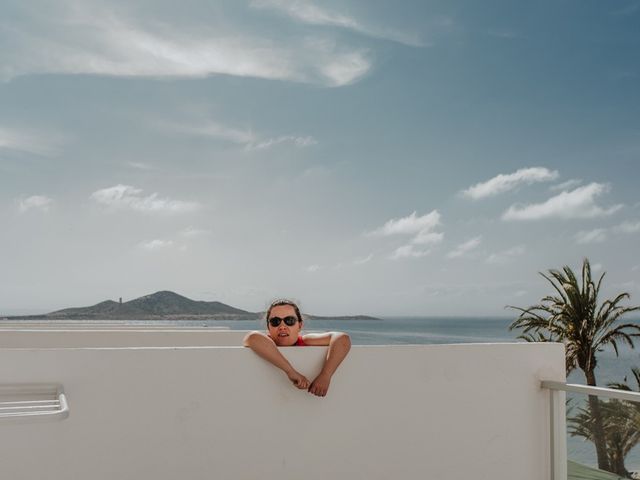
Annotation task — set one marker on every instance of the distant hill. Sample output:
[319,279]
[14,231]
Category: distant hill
[160,305]
[164,305]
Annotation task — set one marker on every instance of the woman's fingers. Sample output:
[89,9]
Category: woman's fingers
[317,390]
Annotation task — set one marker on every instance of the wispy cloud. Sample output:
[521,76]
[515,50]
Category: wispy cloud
[213,130]
[246,137]
[363,260]
[313,268]
[286,139]
[505,182]
[93,38]
[139,165]
[157,244]
[564,186]
[421,227]
[627,227]
[578,203]
[35,202]
[426,238]
[307,12]
[408,251]
[506,255]
[28,141]
[597,235]
[630,285]
[465,247]
[409,225]
[192,232]
[125,197]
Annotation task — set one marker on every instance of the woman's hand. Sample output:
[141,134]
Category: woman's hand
[320,386]
[298,379]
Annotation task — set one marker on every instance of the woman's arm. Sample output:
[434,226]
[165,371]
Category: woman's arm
[339,346]
[266,348]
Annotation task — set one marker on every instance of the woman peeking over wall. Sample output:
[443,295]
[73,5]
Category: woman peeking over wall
[284,323]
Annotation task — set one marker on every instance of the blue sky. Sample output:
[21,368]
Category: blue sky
[413,158]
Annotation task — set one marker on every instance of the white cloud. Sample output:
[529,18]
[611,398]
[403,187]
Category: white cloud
[306,12]
[627,227]
[139,165]
[29,142]
[409,225]
[99,39]
[412,224]
[465,247]
[191,232]
[245,137]
[597,235]
[564,186]
[408,251]
[339,68]
[506,255]
[630,285]
[578,203]
[36,202]
[425,237]
[506,182]
[313,268]
[214,130]
[125,197]
[155,245]
[290,139]
[363,260]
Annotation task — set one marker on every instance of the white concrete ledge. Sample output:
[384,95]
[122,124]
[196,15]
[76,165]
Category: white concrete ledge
[445,412]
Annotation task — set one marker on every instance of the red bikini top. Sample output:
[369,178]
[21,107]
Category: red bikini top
[299,342]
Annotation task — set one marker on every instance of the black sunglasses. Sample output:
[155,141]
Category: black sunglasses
[290,320]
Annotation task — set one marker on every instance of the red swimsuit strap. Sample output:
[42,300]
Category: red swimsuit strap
[299,342]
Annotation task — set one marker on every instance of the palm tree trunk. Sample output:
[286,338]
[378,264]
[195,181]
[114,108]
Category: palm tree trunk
[617,465]
[598,429]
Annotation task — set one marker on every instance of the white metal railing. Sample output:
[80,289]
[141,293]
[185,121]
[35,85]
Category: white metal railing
[35,402]
[557,394]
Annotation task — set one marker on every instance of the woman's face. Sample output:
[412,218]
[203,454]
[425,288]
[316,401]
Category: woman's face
[283,334]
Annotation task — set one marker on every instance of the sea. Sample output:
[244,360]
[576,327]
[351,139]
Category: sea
[443,330]
[451,330]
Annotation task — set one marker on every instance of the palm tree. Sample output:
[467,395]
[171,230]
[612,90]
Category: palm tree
[621,425]
[635,371]
[621,422]
[573,316]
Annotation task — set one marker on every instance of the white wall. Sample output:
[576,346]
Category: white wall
[440,412]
